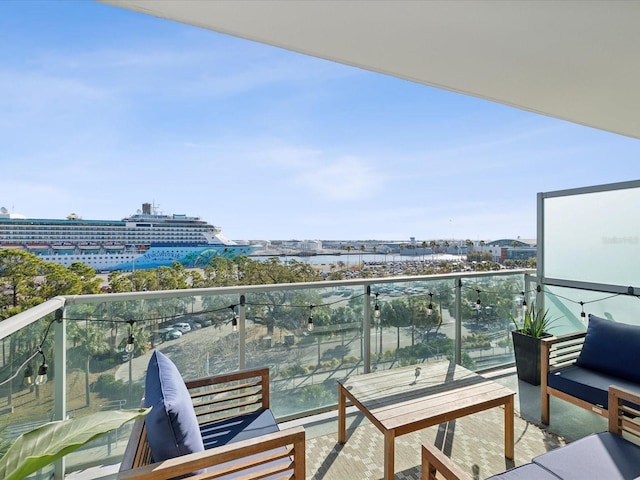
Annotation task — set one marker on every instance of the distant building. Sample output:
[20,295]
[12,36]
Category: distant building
[509,249]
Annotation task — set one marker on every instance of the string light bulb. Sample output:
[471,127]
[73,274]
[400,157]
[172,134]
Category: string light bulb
[524,302]
[430,306]
[478,303]
[234,319]
[583,316]
[310,320]
[376,308]
[129,347]
[42,378]
[28,376]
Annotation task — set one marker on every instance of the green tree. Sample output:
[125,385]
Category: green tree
[433,244]
[89,340]
[395,314]
[87,275]
[26,281]
[276,305]
[349,248]
[18,272]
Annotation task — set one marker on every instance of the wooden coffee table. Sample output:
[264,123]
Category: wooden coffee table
[398,402]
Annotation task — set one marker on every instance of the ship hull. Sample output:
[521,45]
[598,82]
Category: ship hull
[146,240]
[189,256]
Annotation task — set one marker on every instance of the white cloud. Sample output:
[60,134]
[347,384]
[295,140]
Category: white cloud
[346,178]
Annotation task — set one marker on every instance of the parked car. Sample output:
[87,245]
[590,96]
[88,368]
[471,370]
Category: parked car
[194,325]
[183,327]
[169,334]
[203,322]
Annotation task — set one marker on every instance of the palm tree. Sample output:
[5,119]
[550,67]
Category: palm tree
[469,243]
[349,248]
[424,249]
[433,244]
[362,249]
[90,340]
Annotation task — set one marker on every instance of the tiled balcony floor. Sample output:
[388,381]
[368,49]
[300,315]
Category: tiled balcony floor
[567,421]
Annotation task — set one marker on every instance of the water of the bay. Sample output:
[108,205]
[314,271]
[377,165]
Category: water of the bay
[355,259]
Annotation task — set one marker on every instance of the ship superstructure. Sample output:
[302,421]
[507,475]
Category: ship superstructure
[147,239]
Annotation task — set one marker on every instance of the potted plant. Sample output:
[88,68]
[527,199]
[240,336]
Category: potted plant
[526,343]
[43,445]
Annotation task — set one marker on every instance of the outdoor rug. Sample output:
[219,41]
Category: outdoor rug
[475,443]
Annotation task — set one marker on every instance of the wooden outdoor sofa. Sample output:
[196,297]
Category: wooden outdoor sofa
[610,455]
[580,367]
[240,436]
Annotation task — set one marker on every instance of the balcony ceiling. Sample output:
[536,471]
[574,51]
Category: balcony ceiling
[572,60]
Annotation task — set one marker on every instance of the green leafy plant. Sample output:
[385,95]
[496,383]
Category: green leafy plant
[39,447]
[535,322]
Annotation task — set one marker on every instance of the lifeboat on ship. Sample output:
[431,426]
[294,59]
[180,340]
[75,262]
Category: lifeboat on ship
[13,246]
[37,246]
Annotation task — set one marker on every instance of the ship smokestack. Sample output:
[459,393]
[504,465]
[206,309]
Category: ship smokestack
[146,208]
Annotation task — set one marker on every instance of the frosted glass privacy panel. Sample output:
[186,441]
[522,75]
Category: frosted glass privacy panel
[593,237]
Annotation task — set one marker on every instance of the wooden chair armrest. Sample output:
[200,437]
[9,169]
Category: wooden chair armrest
[251,453]
[622,415]
[137,449]
[435,462]
[563,338]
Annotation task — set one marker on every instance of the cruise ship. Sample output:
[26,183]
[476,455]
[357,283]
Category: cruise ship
[145,240]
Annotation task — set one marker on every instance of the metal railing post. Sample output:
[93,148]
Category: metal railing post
[242,334]
[366,329]
[60,381]
[458,326]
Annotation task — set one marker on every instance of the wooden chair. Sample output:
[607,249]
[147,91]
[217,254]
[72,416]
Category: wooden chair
[215,398]
[623,456]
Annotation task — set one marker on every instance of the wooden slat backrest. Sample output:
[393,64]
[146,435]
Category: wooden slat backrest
[564,350]
[223,396]
[214,397]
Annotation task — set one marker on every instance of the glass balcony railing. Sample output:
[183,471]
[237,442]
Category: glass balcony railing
[97,347]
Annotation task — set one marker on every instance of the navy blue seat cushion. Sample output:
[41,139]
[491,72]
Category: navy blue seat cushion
[235,429]
[528,471]
[588,385]
[599,456]
[612,348]
[243,427]
[172,426]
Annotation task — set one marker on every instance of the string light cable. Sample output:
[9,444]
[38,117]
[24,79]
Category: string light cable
[144,321]
[43,366]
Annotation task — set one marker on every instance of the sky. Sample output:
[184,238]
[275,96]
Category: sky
[103,109]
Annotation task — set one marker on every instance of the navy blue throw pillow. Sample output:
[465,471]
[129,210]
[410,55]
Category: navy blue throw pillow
[172,426]
[612,348]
